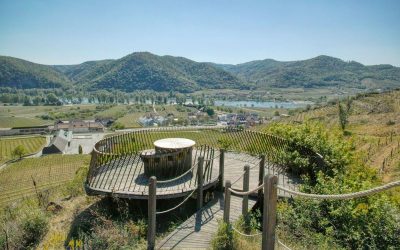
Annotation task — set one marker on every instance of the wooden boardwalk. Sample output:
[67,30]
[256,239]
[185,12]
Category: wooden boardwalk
[198,231]
[124,177]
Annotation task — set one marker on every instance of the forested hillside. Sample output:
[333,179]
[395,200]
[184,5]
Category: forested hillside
[321,71]
[18,73]
[143,70]
[160,73]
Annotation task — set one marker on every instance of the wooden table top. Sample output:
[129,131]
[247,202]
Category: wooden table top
[174,143]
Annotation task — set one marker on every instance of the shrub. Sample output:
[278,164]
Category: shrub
[390,123]
[312,135]
[117,125]
[3,242]
[223,240]
[34,225]
[75,187]
[19,151]
[369,222]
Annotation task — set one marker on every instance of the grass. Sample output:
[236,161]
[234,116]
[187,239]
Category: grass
[9,122]
[17,179]
[19,116]
[115,111]
[31,144]
[130,120]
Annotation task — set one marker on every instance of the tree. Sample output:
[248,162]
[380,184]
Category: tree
[19,151]
[348,104]
[210,111]
[342,116]
[276,113]
[80,150]
[52,99]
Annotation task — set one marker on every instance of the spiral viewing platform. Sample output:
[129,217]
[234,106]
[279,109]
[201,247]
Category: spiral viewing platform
[118,163]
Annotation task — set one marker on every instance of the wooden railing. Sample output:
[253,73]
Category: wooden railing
[270,187]
[250,142]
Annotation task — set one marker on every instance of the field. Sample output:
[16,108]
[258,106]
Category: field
[9,122]
[16,180]
[31,144]
[130,120]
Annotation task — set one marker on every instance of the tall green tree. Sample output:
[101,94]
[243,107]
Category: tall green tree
[19,151]
[343,116]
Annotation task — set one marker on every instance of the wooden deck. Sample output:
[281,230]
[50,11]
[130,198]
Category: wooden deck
[124,177]
[198,231]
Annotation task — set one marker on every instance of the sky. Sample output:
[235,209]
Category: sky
[221,31]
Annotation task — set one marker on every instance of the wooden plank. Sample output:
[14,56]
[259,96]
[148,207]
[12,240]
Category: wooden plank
[198,230]
[126,175]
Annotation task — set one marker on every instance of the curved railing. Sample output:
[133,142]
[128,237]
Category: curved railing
[251,142]
[108,152]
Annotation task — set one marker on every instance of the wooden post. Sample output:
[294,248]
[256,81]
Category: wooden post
[269,212]
[221,169]
[227,201]
[151,231]
[246,186]
[200,183]
[261,174]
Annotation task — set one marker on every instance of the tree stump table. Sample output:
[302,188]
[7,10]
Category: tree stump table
[170,158]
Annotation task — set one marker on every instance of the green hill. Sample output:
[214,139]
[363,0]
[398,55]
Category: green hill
[82,71]
[18,73]
[321,71]
[143,70]
[161,73]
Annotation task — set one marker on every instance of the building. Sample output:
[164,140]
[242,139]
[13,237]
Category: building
[106,122]
[59,143]
[152,119]
[25,130]
[79,126]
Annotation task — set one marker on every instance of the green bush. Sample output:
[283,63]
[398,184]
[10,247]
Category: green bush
[223,240]
[34,225]
[75,187]
[335,150]
[390,123]
[3,241]
[117,125]
[369,222]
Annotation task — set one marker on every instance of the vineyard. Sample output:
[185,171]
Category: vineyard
[17,180]
[31,144]
[374,126]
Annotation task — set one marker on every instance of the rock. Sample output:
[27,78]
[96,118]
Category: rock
[54,207]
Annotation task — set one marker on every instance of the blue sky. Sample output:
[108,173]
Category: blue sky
[70,32]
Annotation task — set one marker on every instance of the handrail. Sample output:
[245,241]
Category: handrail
[180,204]
[284,246]
[243,234]
[248,192]
[325,196]
[215,157]
[189,170]
[180,176]
[342,196]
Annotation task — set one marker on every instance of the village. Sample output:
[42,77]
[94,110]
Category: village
[77,136]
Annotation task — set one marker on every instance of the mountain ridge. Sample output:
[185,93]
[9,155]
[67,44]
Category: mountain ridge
[318,71]
[144,70]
